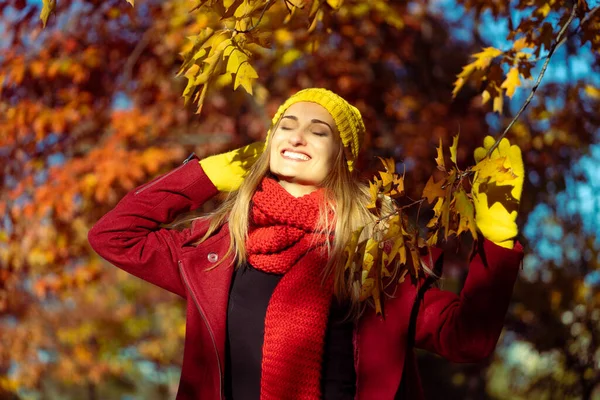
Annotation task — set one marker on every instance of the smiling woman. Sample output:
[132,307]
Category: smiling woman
[304,147]
[266,287]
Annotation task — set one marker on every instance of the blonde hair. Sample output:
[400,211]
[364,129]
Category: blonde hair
[344,211]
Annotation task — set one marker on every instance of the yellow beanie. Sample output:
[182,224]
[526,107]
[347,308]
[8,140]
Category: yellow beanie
[347,118]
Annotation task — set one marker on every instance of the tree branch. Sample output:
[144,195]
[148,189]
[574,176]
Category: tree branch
[267,5]
[559,38]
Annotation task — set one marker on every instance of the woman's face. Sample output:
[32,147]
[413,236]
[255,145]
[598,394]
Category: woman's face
[303,148]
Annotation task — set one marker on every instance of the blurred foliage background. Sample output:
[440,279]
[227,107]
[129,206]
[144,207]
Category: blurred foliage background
[91,106]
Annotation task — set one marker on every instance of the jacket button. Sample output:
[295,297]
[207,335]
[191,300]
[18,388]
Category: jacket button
[213,257]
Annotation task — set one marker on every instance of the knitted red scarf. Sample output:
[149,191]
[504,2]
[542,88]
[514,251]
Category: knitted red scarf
[282,240]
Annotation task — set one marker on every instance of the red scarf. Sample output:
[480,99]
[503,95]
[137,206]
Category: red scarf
[282,240]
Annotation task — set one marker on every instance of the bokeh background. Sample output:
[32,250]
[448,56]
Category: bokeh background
[91,107]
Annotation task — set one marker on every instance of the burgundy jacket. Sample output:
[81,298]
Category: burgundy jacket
[461,328]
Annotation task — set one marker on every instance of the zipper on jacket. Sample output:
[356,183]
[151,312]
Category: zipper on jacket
[164,176]
[212,336]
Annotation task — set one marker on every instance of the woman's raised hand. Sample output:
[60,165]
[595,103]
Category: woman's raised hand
[497,201]
[228,170]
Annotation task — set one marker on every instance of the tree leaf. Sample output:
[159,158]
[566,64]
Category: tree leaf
[374,192]
[437,210]
[439,160]
[245,76]
[48,7]
[235,58]
[464,207]
[433,190]
[350,249]
[453,149]
[512,81]
[389,164]
[493,169]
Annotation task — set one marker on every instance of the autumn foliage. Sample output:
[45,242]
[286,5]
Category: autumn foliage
[109,94]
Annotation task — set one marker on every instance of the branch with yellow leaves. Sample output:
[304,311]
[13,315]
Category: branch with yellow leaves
[559,40]
[395,246]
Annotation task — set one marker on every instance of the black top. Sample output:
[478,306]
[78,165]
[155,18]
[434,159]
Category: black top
[249,297]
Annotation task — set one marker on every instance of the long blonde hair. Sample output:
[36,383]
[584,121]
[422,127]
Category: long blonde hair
[344,211]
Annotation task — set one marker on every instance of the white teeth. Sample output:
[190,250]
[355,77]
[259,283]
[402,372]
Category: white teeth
[296,156]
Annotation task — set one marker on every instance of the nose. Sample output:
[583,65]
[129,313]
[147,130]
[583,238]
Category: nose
[297,137]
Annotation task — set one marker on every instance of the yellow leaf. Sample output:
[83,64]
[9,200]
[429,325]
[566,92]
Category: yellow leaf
[290,56]
[466,211]
[482,61]
[386,178]
[283,36]
[374,192]
[244,77]
[445,213]
[350,249]
[393,227]
[453,149]
[236,58]
[433,190]
[291,14]
[544,10]
[493,169]
[439,160]
[131,2]
[511,82]
[498,103]
[48,7]
[437,210]
[398,249]
[484,58]
[389,164]
[196,51]
[371,253]
[521,44]
[433,239]
[458,84]
[318,17]
[485,97]
[592,91]
[335,4]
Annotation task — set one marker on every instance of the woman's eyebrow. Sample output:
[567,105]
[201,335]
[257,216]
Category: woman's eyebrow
[314,121]
[318,121]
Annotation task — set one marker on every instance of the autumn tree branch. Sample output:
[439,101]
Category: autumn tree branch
[135,55]
[262,14]
[576,32]
[559,39]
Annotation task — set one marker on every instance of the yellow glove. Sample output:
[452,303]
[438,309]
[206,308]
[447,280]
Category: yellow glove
[227,171]
[497,203]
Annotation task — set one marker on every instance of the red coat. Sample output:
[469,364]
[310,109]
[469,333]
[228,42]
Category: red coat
[461,328]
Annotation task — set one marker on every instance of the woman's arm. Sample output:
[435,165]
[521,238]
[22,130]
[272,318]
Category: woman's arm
[130,237]
[466,328]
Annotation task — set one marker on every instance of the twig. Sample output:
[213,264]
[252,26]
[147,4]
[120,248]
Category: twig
[583,21]
[135,55]
[538,81]
[267,4]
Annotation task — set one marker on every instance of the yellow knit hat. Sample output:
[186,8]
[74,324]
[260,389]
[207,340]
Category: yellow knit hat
[347,118]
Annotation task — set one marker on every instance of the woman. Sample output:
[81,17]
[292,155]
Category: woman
[266,292]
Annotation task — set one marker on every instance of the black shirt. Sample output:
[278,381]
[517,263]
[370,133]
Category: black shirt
[249,297]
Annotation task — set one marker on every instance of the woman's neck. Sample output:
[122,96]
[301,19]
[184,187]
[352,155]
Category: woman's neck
[296,189]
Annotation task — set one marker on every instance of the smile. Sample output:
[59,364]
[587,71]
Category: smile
[292,155]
